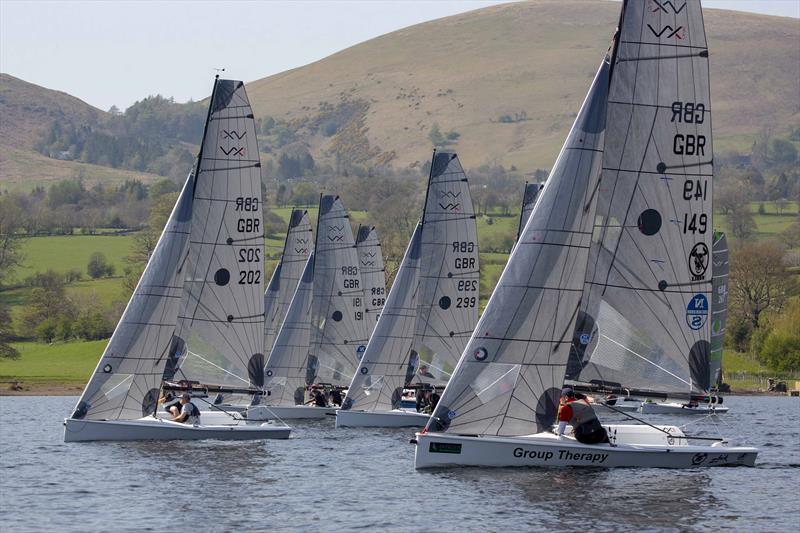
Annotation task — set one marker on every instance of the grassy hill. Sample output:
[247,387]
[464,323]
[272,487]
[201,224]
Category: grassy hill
[465,72]
[27,110]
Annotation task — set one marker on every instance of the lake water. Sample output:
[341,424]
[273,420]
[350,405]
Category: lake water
[326,479]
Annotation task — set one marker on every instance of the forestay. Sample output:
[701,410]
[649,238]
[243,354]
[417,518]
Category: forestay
[285,374]
[222,315]
[719,307]
[373,276]
[510,375]
[449,273]
[528,201]
[383,371]
[644,322]
[126,383]
[338,327]
[287,274]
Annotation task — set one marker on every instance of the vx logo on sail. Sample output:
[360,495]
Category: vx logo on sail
[233,134]
[233,151]
[656,6]
[677,33]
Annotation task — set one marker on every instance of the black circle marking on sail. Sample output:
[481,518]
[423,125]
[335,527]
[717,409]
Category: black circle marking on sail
[547,408]
[337,316]
[229,240]
[699,364]
[230,318]
[150,402]
[481,354]
[255,369]
[649,222]
[222,277]
[661,167]
[444,302]
[662,285]
[107,368]
[364,370]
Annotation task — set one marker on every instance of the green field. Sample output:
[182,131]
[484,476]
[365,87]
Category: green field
[769,225]
[69,363]
[72,252]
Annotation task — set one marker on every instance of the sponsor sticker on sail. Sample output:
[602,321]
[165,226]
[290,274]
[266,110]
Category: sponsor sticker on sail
[697,311]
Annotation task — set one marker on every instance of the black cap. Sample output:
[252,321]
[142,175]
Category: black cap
[567,391]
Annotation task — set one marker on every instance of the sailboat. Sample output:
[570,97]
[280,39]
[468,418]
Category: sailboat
[500,405]
[326,327]
[430,312]
[284,280]
[373,273]
[197,311]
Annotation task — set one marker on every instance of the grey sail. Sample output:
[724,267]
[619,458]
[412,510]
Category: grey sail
[285,373]
[528,201]
[339,330]
[509,378]
[127,380]
[644,320]
[719,307]
[222,314]
[383,371]
[373,276]
[449,273]
[287,274]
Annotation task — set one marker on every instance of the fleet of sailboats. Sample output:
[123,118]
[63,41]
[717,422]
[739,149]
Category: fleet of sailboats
[616,286]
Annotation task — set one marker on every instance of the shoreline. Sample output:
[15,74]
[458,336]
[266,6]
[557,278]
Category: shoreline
[75,389]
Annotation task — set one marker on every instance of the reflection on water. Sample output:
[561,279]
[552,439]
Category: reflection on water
[323,478]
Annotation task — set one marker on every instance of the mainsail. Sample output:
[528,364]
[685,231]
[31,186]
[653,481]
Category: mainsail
[383,371]
[509,378]
[285,374]
[373,276]
[449,272]
[127,380]
[339,331]
[221,323]
[287,274]
[719,307]
[644,318]
[528,201]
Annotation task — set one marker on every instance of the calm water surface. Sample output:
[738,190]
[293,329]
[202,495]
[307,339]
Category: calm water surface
[324,479]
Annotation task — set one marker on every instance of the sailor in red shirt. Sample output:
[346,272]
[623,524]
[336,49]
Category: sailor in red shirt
[580,415]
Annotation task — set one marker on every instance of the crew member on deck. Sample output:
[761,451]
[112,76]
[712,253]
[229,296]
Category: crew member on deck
[580,415]
[189,414]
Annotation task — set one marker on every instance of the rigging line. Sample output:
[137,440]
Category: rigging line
[189,352]
[646,360]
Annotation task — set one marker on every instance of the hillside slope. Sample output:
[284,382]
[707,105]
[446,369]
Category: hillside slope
[465,72]
[26,112]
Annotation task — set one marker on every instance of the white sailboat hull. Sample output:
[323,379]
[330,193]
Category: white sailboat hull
[381,419]
[634,448]
[679,409]
[626,406]
[288,412]
[150,428]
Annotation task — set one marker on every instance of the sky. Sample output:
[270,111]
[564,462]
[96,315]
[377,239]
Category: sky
[114,53]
